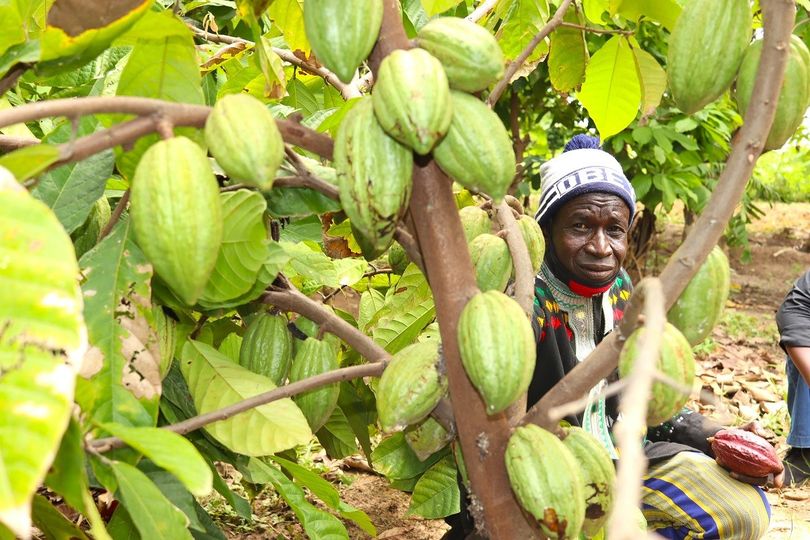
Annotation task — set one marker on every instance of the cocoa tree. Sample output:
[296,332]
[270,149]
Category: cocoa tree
[145,343]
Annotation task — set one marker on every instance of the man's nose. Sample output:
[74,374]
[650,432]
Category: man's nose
[599,245]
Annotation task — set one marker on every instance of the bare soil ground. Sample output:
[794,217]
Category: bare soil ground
[741,374]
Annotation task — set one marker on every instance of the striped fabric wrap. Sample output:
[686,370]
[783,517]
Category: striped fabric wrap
[691,497]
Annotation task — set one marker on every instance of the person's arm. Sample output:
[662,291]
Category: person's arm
[801,359]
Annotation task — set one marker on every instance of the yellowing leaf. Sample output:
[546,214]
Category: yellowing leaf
[653,80]
[434,7]
[611,92]
[665,12]
[568,55]
[288,15]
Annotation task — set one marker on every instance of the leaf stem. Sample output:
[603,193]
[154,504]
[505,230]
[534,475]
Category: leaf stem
[114,217]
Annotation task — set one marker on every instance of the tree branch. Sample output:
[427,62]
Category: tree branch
[482,10]
[524,276]
[9,143]
[346,90]
[12,76]
[633,409]
[593,30]
[293,300]
[374,369]
[553,23]
[684,263]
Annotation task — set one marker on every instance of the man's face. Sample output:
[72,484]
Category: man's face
[589,234]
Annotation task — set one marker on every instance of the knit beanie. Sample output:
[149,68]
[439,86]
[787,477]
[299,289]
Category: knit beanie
[583,167]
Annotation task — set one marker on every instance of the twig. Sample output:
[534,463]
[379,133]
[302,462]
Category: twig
[165,128]
[685,262]
[553,23]
[556,414]
[371,273]
[524,276]
[518,143]
[482,10]
[411,247]
[293,300]
[633,409]
[346,90]
[196,422]
[234,187]
[115,216]
[12,76]
[594,30]
[11,142]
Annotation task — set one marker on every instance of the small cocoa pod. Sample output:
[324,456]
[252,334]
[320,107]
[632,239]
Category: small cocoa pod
[166,330]
[242,135]
[85,237]
[475,221]
[535,241]
[267,347]
[497,348]
[492,262]
[470,54]
[177,214]
[547,481]
[598,475]
[313,358]
[477,150]
[411,386]
[745,453]
[412,99]
[427,438]
[398,259]
[676,361]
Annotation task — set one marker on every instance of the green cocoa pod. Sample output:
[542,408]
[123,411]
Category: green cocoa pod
[705,50]
[535,241]
[374,178]
[427,438]
[676,361]
[412,99]
[598,475]
[470,54]
[166,330]
[495,338]
[398,260]
[342,32]
[475,222]
[700,305]
[177,215]
[267,347]
[411,386]
[313,358]
[243,137]
[492,262]
[477,151]
[85,237]
[546,480]
[793,96]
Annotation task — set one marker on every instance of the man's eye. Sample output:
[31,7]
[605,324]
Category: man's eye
[579,227]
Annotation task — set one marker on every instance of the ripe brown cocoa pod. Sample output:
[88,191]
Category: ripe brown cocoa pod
[745,453]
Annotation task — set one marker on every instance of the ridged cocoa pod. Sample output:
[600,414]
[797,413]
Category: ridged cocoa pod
[701,304]
[705,50]
[497,348]
[412,99]
[477,150]
[675,361]
[166,330]
[745,453]
[374,178]
[411,386]
[492,262]
[267,347]
[546,480]
[475,221]
[598,475]
[313,358]
[242,135]
[427,438]
[793,96]
[177,215]
[342,32]
[85,237]
[470,54]
[535,241]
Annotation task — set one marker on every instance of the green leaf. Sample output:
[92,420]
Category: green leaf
[215,381]
[326,493]
[30,161]
[243,250]
[230,346]
[239,504]
[70,41]
[371,301]
[436,494]
[41,347]
[406,313]
[53,524]
[336,436]
[664,11]
[309,262]
[298,202]
[175,491]
[395,459]
[519,29]
[568,54]
[300,97]
[653,80]
[67,475]
[594,9]
[125,387]
[434,7]
[27,52]
[12,29]
[317,523]
[358,404]
[169,451]
[288,15]
[152,513]
[611,91]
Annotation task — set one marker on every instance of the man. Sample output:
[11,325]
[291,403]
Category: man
[793,321]
[586,208]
